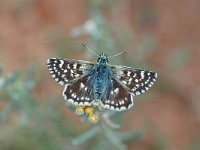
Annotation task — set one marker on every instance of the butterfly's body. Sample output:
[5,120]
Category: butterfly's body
[93,84]
[100,80]
[101,74]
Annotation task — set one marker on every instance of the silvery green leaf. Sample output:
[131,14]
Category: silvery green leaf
[130,136]
[113,138]
[85,136]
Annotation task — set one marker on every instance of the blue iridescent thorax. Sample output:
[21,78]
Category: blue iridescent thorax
[101,76]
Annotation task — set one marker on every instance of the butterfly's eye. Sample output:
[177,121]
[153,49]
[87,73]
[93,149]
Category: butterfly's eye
[98,59]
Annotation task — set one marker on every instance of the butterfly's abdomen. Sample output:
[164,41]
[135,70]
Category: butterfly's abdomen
[98,88]
[101,77]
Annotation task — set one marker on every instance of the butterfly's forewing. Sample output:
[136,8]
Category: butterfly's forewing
[116,97]
[137,81]
[80,92]
[66,71]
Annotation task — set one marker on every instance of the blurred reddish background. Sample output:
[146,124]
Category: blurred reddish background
[29,30]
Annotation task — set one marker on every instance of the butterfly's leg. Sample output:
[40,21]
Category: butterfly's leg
[100,106]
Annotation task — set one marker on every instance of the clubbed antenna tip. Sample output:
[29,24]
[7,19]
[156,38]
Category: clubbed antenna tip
[83,44]
[89,49]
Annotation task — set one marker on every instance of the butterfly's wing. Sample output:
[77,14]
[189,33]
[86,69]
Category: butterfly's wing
[125,83]
[80,92]
[116,97]
[67,71]
[136,81]
[75,76]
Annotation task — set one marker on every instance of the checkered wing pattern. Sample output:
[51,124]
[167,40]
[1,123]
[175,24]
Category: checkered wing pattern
[117,97]
[120,83]
[125,83]
[80,92]
[73,74]
[136,81]
[67,71]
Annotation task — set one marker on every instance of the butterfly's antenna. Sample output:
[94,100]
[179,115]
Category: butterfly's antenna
[89,49]
[118,54]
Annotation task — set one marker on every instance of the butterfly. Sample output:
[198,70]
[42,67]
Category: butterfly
[111,86]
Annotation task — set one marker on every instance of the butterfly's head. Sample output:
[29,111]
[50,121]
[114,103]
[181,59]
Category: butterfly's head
[102,58]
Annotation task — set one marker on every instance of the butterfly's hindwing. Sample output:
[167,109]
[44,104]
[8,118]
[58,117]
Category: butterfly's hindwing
[137,81]
[80,92]
[116,97]
[66,71]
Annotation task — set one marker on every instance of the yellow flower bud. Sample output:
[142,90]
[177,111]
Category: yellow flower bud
[89,111]
[80,110]
[94,118]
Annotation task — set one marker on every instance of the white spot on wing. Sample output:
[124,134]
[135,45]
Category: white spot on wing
[124,82]
[142,74]
[116,90]
[137,93]
[61,64]
[85,88]
[75,65]
[81,85]
[112,92]
[50,69]
[76,75]
[72,71]
[61,82]
[122,108]
[130,79]
[156,75]
[129,73]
